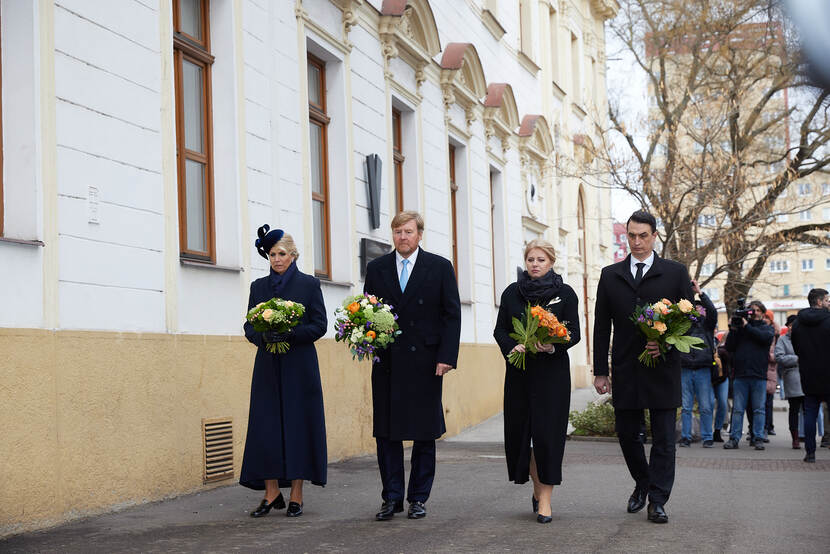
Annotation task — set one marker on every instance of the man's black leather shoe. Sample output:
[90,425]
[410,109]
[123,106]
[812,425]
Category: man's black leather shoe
[417,510]
[388,509]
[637,500]
[656,513]
[264,507]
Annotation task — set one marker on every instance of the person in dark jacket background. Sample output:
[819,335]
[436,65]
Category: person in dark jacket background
[286,439]
[788,367]
[749,341]
[696,373]
[810,336]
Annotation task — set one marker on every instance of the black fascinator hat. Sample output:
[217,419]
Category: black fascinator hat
[266,239]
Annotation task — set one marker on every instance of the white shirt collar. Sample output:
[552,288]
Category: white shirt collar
[634,261]
[411,259]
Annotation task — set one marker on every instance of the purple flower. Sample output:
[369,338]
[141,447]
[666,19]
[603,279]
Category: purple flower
[641,319]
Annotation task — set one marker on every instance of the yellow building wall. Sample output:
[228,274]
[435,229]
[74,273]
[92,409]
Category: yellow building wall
[95,421]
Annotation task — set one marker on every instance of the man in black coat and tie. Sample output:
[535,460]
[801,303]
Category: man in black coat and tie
[407,377]
[643,277]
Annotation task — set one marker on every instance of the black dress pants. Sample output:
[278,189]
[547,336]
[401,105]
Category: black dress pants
[656,474]
[421,474]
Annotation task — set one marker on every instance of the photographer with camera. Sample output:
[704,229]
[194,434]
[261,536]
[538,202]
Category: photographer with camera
[749,342]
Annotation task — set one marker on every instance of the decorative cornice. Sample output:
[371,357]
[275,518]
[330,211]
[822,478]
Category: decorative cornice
[492,24]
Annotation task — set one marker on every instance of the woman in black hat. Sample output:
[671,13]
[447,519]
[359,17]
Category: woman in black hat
[286,441]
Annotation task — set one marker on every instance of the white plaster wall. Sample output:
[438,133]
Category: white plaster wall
[108,137]
[107,131]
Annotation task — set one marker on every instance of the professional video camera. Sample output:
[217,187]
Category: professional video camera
[740,314]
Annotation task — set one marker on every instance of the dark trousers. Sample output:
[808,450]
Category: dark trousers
[657,474]
[795,408]
[421,474]
[811,404]
[768,424]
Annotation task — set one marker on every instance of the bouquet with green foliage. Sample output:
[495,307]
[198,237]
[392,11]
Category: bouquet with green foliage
[366,325]
[538,326]
[276,315]
[667,324]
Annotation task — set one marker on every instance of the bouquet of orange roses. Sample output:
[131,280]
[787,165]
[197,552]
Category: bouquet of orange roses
[666,323]
[538,326]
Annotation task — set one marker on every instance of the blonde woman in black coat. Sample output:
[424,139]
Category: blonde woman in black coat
[537,400]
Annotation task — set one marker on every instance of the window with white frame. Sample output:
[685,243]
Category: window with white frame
[805,215]
[825,213]
[782,218]
[779,266]
[712,293]
[807,265]
[804,189]
[707,269]
[806,288]
[827,265]
[785,290]
[825,189]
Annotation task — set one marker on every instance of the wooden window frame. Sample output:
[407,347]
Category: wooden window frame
[318,115]
[197,52]
[453,211]
[2,198]
[398,159]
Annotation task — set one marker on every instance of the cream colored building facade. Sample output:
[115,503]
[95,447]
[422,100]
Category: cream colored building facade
[144,141]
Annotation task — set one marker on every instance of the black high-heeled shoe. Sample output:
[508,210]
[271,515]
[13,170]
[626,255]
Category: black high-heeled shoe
[294,509]
[265,507]
[534,503]
[544,519]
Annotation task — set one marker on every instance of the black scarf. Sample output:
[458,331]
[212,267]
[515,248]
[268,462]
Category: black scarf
[279,282]
[543,289]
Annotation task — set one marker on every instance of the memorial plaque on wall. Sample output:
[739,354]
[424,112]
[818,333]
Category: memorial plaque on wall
[369,250]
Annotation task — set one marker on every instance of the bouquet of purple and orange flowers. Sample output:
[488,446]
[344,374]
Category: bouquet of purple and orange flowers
[366,325]
[666,323]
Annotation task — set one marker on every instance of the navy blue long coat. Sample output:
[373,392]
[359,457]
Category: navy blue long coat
[633,385]
[406,393]
[286,425]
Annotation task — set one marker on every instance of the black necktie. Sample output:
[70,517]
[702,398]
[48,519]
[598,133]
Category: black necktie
[639,276]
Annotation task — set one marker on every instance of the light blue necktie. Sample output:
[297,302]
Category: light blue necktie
[404,275]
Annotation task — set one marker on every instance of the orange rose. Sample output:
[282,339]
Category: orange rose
[666,301]
[561,331]
[353,307]
[371,335]
[373,300]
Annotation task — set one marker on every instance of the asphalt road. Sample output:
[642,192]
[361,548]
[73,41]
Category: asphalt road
[723,501]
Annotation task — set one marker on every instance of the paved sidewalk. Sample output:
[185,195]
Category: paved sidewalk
[735,501]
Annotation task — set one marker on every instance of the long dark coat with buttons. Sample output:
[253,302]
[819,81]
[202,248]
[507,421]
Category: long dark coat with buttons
[406,393]
[633,385]
[286,425]
[536,399]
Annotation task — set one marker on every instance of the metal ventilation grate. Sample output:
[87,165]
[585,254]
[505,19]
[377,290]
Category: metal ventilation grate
[217,437]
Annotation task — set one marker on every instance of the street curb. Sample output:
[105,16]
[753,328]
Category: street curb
[592,438]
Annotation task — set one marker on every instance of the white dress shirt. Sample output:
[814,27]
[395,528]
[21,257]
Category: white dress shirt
[411,259]
[634,261]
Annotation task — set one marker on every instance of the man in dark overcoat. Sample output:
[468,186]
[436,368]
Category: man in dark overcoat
[642,278]
[407,376]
